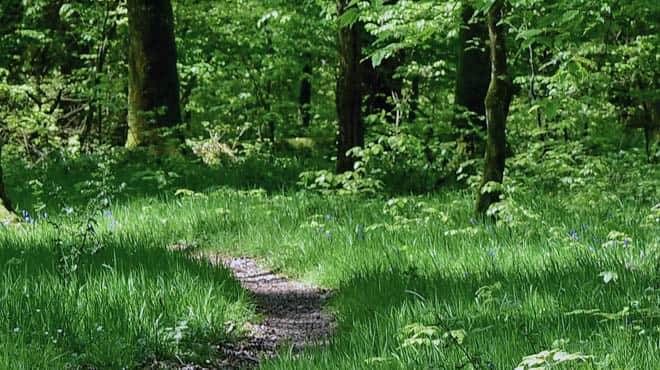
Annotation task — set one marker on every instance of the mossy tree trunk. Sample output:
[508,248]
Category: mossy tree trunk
[153,102]
[498,100]
[349,92]
[472,78]
[6,210]
[652,131]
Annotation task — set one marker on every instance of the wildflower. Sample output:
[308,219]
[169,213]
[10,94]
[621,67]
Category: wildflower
[45,215]
[60,331]
[5,223]
[68,210]
[573,234]
[473,222]
[626,242]
[17,329]
[359,231]
[328,235]
[105,202]
[489,228]
[608,215]
[320,229]
[492,252]
[26,217]
[108,213]
[113,225]
[389,269]
[592,248]
[328,217]
[99,328]
[584,227]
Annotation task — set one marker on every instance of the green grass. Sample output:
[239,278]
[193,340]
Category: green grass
[416,260]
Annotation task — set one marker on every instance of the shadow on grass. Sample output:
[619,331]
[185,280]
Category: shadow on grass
[122,307]
[503,325]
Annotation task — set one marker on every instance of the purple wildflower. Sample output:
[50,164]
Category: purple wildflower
[359,231]
[573,234]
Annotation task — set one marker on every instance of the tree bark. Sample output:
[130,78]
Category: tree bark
[305,99]
[498,101]
[153,82]
[6,209]
[472,77]
[349,92]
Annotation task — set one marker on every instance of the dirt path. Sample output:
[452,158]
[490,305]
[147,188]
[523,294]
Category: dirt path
[292,313]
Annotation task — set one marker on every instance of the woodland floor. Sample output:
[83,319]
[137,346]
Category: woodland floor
[291,313]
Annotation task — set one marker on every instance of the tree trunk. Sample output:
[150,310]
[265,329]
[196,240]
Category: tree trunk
[6,210]
[652,131]
[349,92]
[472,78]
[498,100]
[153,82]
[305,99]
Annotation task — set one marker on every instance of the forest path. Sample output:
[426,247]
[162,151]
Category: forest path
[292,312]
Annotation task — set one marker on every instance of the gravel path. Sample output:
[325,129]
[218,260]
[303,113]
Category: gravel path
[292,312]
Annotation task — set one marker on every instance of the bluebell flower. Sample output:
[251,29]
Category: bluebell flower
[328,217]
[320,229]
[108,213]
[473,222]
[26,217]
[359,231]
[68,210]
[389,269]
[492,252]
[328,235]
[573,234]
[592,248]
[608,215]
[626,242]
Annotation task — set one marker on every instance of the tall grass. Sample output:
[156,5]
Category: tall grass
[400,267]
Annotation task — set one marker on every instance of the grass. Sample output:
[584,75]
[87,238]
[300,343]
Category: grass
[406,270]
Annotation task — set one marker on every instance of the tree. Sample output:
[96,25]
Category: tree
[472,77]
[153,102]
[349,89]
[497,102]
[6,210]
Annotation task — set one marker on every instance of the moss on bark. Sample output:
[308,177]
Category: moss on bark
[498,101]
[153,82]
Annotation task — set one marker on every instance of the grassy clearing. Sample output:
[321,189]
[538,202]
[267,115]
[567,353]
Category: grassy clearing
[406,271]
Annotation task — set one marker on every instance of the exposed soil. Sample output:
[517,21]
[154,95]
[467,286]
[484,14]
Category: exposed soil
[292,313]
